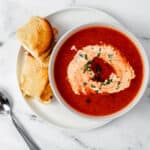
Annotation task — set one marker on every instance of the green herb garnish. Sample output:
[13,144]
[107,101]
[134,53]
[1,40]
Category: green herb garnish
[96,91]
[87,66]
[81,55]
[86,57]
[106,82]
[110,56]
[118,85]
[90,62]
[93,86]
[84,83]
[98,54]
[109,81]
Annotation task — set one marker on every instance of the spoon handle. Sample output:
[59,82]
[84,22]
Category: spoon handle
[29,141]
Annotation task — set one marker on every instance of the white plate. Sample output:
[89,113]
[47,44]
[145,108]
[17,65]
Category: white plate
[54,113]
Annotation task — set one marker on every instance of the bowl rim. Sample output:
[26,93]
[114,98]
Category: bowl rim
[125,32]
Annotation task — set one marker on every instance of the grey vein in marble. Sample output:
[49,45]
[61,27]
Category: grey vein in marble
[1,43]
[80,142]
[144,37]
[32,117]
[35,118]
[73,2]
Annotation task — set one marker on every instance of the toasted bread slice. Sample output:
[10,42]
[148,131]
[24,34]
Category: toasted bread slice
[46,95]
[34,77]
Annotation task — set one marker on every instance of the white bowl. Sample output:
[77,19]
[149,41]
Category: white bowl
[136,98]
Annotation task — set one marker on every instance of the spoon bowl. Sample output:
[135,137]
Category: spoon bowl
[5,103]
[6,107]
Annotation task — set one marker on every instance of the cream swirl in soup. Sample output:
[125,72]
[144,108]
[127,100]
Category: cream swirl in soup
[81,75]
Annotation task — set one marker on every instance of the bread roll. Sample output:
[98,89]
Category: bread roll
[36,36]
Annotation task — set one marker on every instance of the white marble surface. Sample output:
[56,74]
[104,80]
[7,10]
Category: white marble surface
[130,132]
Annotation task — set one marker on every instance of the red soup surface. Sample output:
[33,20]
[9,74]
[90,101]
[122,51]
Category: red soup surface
[98,104]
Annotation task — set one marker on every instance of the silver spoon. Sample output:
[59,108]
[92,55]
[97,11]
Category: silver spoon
[6,108]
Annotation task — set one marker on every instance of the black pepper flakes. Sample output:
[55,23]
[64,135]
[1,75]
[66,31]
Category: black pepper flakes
[88,100]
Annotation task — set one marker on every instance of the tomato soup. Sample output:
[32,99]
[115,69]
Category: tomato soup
[97,103]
